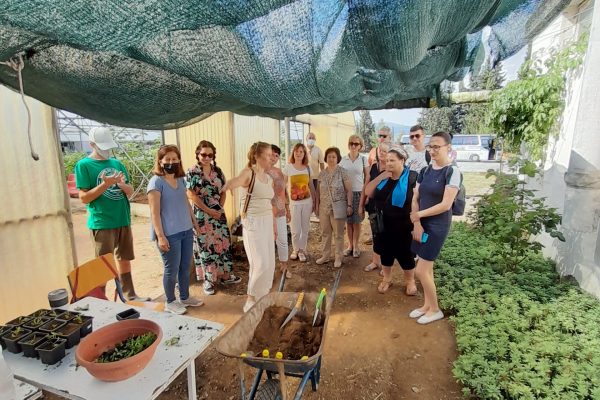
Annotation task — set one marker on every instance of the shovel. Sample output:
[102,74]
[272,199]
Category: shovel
[294,310]
[319,304]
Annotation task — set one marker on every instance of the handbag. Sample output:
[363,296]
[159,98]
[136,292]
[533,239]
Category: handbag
[237,227]
[339,206]
[376,218]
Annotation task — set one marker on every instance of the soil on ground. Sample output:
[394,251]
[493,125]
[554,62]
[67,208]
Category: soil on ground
[371,349]
[298,337]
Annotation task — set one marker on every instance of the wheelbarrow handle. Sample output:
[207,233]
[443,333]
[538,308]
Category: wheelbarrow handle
[336,283]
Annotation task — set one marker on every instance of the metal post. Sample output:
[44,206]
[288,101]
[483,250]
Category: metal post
[287,136]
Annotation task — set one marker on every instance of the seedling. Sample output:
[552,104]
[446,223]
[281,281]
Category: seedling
[128,348]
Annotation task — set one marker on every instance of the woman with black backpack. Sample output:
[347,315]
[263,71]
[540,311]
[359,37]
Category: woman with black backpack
[436,189]
[392,193]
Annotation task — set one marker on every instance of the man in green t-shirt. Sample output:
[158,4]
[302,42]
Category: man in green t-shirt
[103,184]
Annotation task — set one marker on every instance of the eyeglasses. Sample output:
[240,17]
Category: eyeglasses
[414,136]
[207,155]
[434,147]
[353,144]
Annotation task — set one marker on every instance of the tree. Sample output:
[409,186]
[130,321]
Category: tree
[488,78]
[366,128]
[436,119]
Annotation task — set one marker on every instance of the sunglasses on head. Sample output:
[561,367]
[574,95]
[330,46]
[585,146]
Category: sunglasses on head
[415,136]
[206,155]
[354,144]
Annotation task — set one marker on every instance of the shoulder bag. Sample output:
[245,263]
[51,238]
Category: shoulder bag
[237,227]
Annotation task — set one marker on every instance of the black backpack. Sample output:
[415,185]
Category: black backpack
[460,201]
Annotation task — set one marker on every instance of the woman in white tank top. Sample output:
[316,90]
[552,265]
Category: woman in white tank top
[257,221]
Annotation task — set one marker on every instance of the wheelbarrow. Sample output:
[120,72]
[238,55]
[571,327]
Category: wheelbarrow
[235,341]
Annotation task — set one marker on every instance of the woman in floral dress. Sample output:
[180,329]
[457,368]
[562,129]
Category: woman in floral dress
[212,247]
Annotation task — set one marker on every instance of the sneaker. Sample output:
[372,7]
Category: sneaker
[348,252]
[432,318]
[232,280]
[294,255]
[416,313]
[356,253]
[301,256]
[209,290]
[322,260]
[175,307]
[337,263]
[191,302]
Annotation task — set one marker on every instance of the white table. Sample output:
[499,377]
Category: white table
[73,382]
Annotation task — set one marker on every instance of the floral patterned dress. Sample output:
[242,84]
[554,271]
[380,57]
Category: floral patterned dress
[212,247]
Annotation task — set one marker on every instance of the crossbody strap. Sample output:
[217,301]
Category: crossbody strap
[249,193]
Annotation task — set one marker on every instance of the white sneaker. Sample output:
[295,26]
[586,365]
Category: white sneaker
[322,260]
[191,302]
[301,256]
[337,263]
[294,255]
[175,307]
[435,317]
[416,313]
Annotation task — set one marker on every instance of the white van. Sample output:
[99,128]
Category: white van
[475,147]
[469,147]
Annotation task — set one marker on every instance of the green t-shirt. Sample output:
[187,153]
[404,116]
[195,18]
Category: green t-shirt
[110,210]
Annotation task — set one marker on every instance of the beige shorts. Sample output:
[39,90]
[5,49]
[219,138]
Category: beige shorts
[118,241]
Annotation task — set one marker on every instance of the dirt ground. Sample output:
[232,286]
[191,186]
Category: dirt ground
[373,350]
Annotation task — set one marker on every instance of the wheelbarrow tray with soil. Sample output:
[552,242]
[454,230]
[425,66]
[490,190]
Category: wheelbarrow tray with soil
[236,340]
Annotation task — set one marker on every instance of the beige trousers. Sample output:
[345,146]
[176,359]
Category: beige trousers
[332,228]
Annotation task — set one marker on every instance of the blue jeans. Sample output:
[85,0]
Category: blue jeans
[177,262]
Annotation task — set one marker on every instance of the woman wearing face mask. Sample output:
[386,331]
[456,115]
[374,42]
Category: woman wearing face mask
[212,247]
[257,222]
[172,223]
[392,192]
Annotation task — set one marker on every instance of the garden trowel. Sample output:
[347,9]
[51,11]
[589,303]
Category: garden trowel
[319,305]
[294,310]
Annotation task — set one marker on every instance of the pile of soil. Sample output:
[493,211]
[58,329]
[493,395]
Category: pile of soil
[298,337]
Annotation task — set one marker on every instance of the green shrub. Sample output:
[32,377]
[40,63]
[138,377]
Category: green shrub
[511,214]
[525,334]
[70,159]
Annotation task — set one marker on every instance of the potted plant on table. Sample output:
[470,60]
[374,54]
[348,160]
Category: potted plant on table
[70,332]
[3,330]
[18,321]
[39,313]
[35,323]
[52,350]
[52,325]
[85,321]
[12,337]
[30,342]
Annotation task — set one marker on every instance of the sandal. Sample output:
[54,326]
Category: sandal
[371,267]
[348,252]
[384,286]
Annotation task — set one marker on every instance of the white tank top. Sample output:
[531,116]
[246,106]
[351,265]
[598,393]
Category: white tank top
[260,200]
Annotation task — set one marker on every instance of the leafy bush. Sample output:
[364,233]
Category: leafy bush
[525,334]
[511,214]
[528,110]
[70,159]
[139,160]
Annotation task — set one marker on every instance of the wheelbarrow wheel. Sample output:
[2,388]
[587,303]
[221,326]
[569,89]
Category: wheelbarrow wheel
[269,390]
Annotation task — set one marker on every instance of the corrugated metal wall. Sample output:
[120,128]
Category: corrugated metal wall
[35,238]
[218,129]
[331,129]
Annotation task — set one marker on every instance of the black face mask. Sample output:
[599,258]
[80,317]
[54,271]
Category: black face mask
[170,168]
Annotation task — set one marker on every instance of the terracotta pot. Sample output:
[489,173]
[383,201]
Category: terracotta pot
[109,337]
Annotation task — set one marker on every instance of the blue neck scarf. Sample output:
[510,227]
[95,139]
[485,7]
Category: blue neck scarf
[399,193]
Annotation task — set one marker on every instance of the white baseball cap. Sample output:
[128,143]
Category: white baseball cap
[103,138]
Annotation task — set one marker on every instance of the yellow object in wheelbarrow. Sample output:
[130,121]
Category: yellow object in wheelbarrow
[294,311]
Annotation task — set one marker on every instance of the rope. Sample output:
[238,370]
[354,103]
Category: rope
[17,64]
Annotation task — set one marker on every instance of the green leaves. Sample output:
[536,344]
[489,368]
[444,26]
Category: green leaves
[511,215]
[527,110]
[521,334]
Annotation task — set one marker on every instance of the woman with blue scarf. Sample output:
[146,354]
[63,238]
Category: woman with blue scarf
[392,191]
